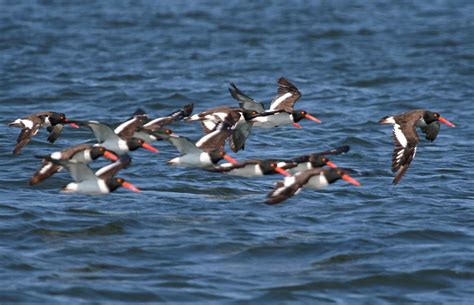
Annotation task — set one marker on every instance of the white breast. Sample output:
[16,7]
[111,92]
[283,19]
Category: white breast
[275,120]
[193,160]
[300,167]
[317,182]
[251,170]
[279,100]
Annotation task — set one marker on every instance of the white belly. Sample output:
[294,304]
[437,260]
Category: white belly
[118,147]
[96,187]
[193,160]
[252,170]
[317,182]
[271,121]
[300,167]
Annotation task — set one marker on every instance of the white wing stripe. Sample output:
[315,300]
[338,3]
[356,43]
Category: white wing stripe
[124,125]
[397,131]
[280,100]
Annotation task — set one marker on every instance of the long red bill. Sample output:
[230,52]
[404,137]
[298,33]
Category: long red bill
[282,171]
[149,147]
[230,159]
[72,124]
[297,125]
[330,164]
[110,156]
[312,118]
[131,187]
[443,120]
[350,180]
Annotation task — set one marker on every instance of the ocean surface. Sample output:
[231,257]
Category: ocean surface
[194,237]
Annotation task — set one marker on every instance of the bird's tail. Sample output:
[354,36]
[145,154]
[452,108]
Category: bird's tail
[387,120]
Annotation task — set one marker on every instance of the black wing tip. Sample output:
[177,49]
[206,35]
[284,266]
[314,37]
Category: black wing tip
[42,157]
[276,199]
[188,109]
[139,111]
[384,120]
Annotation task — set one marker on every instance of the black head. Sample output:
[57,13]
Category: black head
[97,151]
[57,118]
[135,143]
[249,114]
[332,175]
[162,133]
[430,117]
[216,155]
[114,183]
[298,115]
[318,160]
[268,166]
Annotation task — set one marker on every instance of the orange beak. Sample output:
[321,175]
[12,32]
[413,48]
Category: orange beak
[149,147]
[110,156]
[282,171]
[297,125]
[350,180]
[230,159]
[312,118]
[330,164]
[131,187]
[443,120]
[72,124]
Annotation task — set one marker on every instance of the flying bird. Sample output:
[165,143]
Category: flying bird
[405,137]
[30,125]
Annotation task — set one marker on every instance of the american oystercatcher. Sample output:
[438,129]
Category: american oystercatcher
[405,137]
[281,111]
[53,121]
[100,183]
[82,153]
[317,178]
[120,143]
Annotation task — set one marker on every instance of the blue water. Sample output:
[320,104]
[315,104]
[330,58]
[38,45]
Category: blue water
[198,237]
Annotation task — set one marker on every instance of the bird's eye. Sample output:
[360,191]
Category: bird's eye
[325,160]
[340,173]
[101,149]
[168,131]
[436,115]
[302,112]
[273,165]
[254,112]
[120,180]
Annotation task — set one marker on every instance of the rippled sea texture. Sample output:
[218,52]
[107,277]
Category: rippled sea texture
[198,237]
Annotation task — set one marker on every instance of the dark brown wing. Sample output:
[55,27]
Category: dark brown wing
[335,151]
[69,152]
[46,170]
[159,123]
[245,102]
[405,140]
[128,128]
[216,139]
[431,130]
[54,132]
[290,186]
[287,96]
[24,137]
[239,135]
[208,126]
